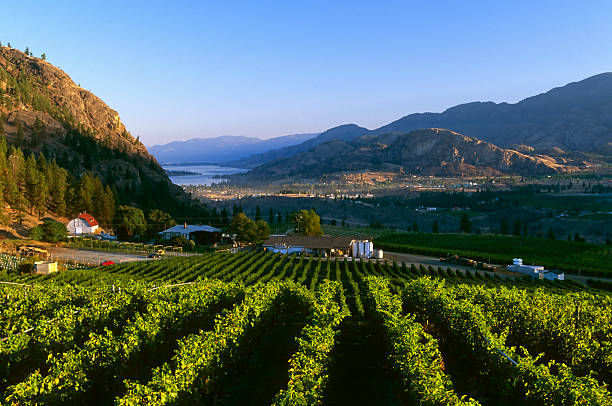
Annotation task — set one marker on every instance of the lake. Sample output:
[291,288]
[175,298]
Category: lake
[202,174]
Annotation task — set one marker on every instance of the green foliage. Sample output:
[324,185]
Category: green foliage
[158,221]
[98,334]
[307,222]
[130,222]
[247,230]
[414,353]
[50,231]
[591,259]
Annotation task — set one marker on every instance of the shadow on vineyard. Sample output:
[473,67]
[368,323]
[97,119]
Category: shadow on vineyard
[264,372]
[360,374]
[466,372]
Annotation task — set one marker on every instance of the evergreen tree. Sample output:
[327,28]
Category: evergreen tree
[257,213]
[465,224]
[551,233]
[435,228]
[503,227]
[32,180]
[224,217]
[517,227]
[43,57]
[271,216]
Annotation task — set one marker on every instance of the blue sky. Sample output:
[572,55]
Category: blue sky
[185,69]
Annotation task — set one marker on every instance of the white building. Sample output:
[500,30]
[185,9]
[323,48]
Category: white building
[84,224]
[186,229]
[535,271]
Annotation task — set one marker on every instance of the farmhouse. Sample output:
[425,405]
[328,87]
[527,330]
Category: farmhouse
[84,224]
[325,245]
[200,234]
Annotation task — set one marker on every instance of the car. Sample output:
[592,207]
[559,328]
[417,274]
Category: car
[107,262]
[154,255]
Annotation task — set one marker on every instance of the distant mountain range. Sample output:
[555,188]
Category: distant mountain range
[426,152]
[574,117]
[345,132]
[222,149]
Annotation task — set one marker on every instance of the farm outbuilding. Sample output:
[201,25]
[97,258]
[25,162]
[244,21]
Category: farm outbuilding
[326,246]
[199,234]
[45,267]
[83,224]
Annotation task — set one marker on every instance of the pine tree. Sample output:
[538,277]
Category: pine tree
[435,228]
[257,213]
[503,228]
[466,224]
[517,227]
[32,180]
[43,57]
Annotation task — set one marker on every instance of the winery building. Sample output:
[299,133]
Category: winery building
[325,245]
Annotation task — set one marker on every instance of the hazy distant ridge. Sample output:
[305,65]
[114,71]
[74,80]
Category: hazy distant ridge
[222,149]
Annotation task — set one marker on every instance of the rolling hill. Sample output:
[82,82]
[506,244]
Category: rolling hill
[426,152]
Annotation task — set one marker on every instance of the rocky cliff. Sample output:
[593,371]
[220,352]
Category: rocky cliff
[42,110]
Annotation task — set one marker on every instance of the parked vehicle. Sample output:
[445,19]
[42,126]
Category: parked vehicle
[107,262]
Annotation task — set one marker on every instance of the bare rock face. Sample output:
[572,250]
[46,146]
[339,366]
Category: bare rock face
[79,106]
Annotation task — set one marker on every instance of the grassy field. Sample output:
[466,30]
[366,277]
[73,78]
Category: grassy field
[569,256]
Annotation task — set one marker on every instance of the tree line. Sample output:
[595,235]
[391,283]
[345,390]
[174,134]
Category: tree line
[32,184]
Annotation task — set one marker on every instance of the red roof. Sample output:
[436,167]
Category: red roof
[89,219]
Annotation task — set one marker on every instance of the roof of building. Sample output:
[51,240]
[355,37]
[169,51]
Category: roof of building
[318,242]
[189,228]
[89,219]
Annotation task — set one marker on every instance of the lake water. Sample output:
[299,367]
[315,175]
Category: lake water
[205,174]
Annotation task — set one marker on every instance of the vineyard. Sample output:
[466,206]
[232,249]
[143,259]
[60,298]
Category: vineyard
[569,256]
[260,328]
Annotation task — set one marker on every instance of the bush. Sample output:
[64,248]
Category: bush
[49,231]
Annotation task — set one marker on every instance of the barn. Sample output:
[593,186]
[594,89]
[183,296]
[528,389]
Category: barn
[83,224]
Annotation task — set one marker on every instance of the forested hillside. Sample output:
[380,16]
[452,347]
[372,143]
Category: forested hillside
[65,127]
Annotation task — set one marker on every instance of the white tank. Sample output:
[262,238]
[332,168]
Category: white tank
[369,248]
[355,249]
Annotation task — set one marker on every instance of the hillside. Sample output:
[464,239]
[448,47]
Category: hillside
[346,132]
[42,111]
[425,152]
[576,117]
[222,149]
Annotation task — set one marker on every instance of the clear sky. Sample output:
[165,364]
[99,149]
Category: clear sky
[184,69]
